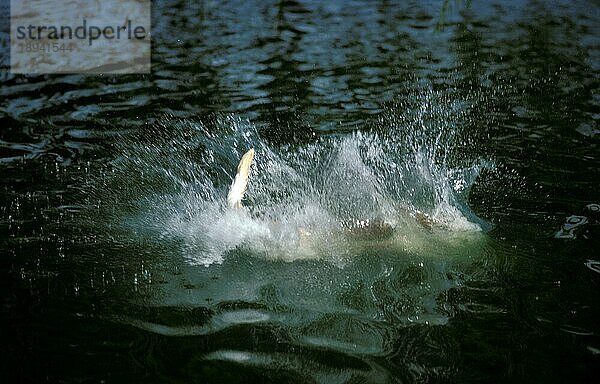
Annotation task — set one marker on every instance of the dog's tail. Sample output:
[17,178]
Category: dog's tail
[238,187]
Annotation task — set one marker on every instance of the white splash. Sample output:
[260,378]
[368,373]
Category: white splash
[300,203]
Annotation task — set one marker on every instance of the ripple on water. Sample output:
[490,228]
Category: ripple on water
[574,330]
[594,265]
[315,365]
[346,333]
[184,323]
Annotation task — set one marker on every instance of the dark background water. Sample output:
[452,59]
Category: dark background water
[526,77]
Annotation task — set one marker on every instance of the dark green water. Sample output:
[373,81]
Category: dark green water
[119,263]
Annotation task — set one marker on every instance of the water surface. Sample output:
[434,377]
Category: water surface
[120,262]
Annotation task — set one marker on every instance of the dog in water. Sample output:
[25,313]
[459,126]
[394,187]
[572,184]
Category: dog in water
[368,227]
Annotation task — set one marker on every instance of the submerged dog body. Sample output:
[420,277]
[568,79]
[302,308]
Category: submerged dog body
[360,228]
[309,232]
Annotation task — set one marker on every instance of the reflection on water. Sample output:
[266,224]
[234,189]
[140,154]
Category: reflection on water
[120,258]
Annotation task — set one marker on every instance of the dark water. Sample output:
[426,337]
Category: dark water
[120,264]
